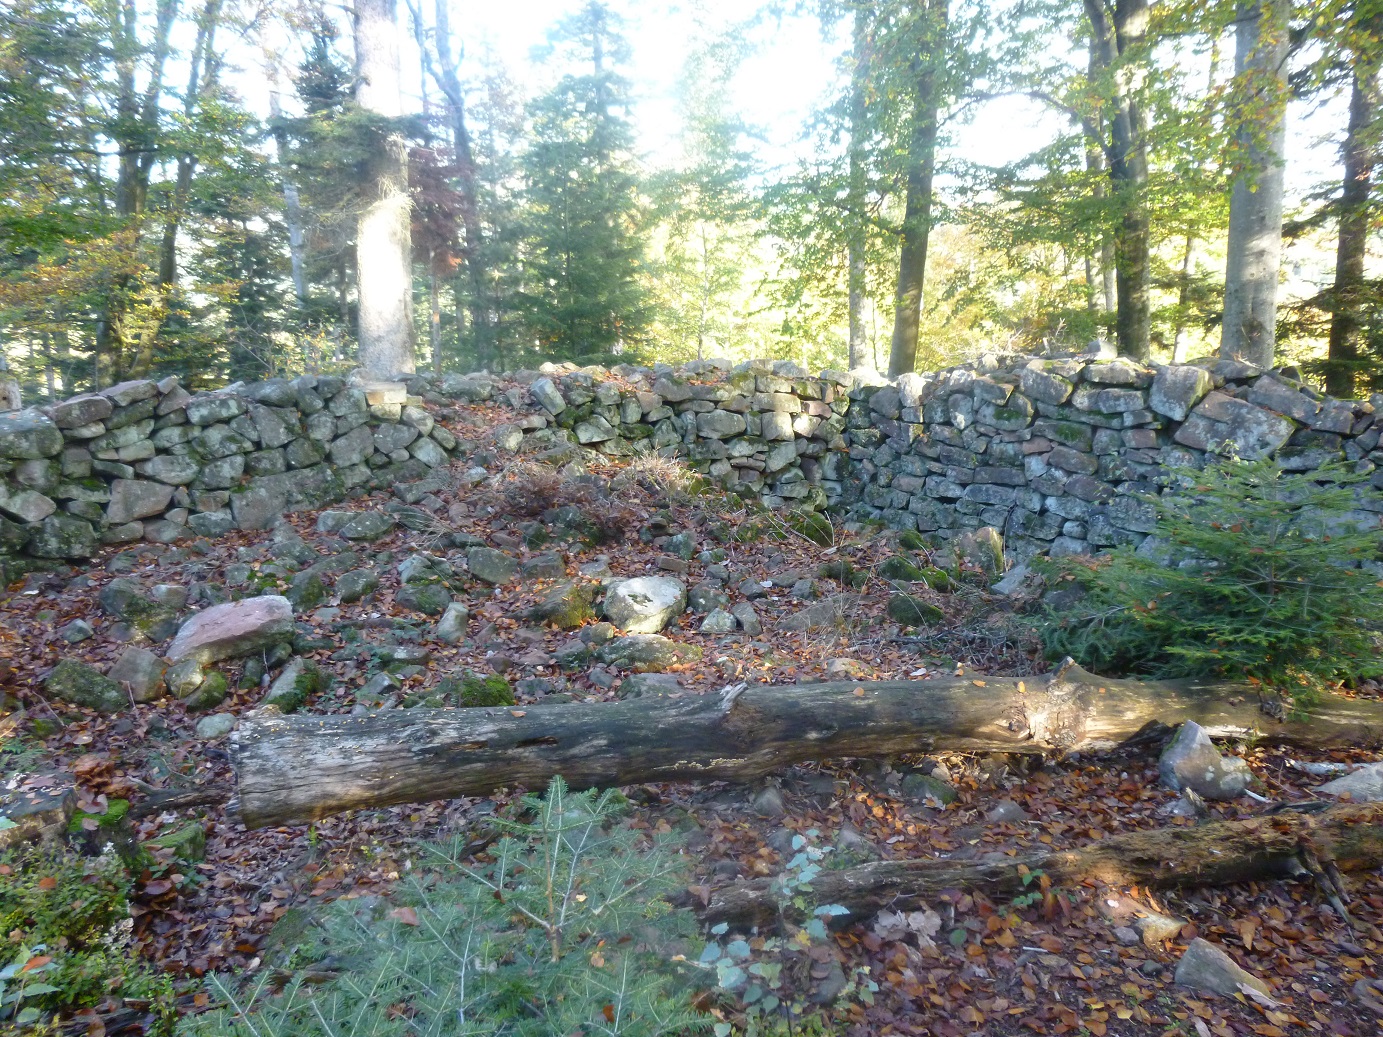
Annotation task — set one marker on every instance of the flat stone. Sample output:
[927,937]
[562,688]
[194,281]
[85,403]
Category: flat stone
[1208,968]
[25,505]
[217,725]
[719,621]
[354,585]
[81,410]
[234,629]
[832,611]
[174,469]
[646,653]
[125,394]
[1175,390]
[1223,424]
[1364,785]
[132,499]
[183,678]
[548,396]
[491,565]
[645,604]
[208,410]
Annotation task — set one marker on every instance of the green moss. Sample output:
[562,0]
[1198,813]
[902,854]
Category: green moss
[116,809]
[911,540]
[209,694]
[838,569]
[476,690]
[913,612]
[901,568]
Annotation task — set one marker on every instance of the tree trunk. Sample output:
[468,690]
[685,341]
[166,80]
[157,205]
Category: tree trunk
[1360,149]
[1181,336]
[917,208]
[856,233]
[1118,47]
[447,77]
[1255,204]
[292,204]
[1218,853]
[384,266]
[301,768]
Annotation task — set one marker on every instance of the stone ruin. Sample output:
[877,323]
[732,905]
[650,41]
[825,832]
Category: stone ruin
[1060,454]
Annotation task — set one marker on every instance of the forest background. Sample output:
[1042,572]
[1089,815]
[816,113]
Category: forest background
[896,184]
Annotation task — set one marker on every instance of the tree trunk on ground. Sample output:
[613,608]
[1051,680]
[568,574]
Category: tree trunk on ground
[1361,150]
[855,215]
[1118,46]
[384,267]
[917,207]
[1218,853]
[307,767]
[1255,205]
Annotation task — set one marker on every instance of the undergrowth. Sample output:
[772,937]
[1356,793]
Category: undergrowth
[1260,579]
[66,920]
[563,930]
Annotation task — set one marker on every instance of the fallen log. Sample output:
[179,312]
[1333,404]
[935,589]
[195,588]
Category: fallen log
[300,768]
[1344,838]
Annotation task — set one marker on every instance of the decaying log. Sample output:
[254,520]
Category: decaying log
[1217,853]
[299,768]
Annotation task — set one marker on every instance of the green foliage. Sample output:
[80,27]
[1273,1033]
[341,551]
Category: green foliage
[563,931]
[74,912]
[1259,580]
[770,979]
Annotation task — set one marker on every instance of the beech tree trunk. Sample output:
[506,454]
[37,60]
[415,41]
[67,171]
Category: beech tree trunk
[299,768]
[917,205]
[1217,853]
[856,233]
[383,244]
[1255,206]
[1360,150]
[1119,42]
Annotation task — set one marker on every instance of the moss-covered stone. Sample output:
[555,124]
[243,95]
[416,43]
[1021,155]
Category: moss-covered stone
[209,694]
[476,690]
[566,606]
[838,569]
[83,685]
[431,599]
[900,567]
[188,843]
[116,809]
[912,611]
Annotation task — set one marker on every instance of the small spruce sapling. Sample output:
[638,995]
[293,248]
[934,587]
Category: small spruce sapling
[1264,577]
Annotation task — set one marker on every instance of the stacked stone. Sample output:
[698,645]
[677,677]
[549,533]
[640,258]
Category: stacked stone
[147,460]
[761,427]
[1062,453]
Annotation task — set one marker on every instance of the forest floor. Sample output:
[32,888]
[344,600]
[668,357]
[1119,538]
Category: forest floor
[1060,963]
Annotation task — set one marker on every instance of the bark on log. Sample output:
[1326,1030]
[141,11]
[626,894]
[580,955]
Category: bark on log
[1218,853]
[301,768]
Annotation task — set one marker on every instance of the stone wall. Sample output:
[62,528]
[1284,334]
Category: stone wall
[1062,454]
[1058,453]
[150,461]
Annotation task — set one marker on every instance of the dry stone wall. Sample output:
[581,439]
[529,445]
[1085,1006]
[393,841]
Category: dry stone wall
[150,461]
[1061,454]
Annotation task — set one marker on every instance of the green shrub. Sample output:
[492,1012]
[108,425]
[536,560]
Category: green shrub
[1258,581]
[75,912]
[564,931]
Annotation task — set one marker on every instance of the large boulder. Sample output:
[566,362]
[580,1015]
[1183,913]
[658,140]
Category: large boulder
[234,629]
[1191,761]
[645,604]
